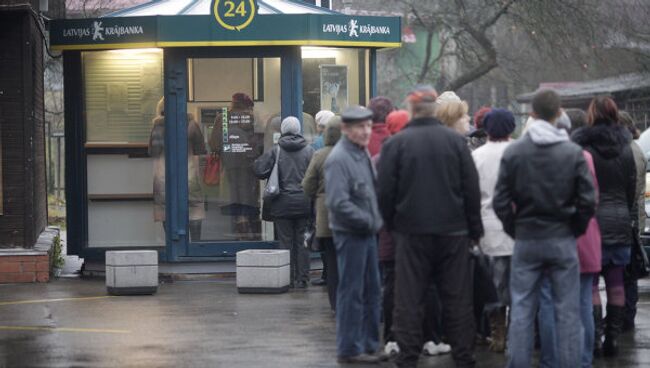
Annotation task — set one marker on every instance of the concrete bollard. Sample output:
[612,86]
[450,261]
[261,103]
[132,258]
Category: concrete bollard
[263,271]
[132,272]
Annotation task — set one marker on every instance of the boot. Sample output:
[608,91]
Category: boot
[598,331]
[615,315]
[498,330]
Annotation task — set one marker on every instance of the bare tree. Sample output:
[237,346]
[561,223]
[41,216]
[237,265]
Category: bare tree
[520,36]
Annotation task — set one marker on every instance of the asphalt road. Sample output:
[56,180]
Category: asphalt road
[73,323]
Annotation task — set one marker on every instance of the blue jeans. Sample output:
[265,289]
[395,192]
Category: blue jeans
[548,358]
[532,259]
[358,296]
[546,323]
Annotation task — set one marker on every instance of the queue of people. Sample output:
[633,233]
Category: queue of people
[411,205]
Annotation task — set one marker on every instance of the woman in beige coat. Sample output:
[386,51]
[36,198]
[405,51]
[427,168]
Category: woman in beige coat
[314,186]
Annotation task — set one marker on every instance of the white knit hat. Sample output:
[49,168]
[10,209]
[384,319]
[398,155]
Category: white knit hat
[322,117]
[290,125]
[447,96]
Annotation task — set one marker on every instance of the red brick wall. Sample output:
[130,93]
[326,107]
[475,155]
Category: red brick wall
[22,269]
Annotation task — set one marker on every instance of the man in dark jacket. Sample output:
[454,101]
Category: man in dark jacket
[544,197]
[354,220]
[430,200]
[291,209]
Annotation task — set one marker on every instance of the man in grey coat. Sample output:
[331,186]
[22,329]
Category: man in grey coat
[354,219]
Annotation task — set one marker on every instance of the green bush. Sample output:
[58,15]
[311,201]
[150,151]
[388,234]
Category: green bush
[57,253]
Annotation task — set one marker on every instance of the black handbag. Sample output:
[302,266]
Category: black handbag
[485,291]
[311,241]
[639,266]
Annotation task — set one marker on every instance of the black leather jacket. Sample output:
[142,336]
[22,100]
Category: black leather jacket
[609,145]
[544,189]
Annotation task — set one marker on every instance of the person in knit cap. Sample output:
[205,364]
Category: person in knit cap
[291,210]
[322,117]
[397,120]
[380,107]
[496,244]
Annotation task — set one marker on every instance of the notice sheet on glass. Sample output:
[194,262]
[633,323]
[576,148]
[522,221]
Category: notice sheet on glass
[334,87]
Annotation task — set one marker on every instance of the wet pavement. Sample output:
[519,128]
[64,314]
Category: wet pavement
[71,322]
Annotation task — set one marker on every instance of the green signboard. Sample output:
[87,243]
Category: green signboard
[206,30]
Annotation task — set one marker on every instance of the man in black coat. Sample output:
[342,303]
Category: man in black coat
[429,198]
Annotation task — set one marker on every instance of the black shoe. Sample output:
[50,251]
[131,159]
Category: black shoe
[613,328]
[628,326]
[318,282]
[301,285]
[358,359]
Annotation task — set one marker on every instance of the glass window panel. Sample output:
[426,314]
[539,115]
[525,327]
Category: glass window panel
[121,90]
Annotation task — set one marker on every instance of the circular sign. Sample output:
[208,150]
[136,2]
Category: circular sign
[234,15]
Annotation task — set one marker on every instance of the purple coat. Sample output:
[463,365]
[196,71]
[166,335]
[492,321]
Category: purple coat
[589,249]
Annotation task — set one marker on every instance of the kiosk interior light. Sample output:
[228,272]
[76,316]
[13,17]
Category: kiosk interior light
[134,51]
[310,52]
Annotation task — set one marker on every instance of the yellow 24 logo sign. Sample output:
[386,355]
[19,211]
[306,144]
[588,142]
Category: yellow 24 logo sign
[234,15]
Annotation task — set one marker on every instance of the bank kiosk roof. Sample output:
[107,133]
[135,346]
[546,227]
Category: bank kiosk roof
[191,23]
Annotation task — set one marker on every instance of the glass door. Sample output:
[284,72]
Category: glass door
[233,117]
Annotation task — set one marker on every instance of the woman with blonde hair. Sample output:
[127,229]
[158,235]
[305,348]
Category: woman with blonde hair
[453,112]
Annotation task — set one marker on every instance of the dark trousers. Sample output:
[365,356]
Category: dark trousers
[432,327]
[388,298]
[291,235]
[332,276]
[432,324]
[358,298]
[446,260]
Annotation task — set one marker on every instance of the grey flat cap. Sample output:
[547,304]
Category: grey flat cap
[355,114]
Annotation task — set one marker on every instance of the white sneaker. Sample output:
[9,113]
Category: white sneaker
[433,349]
[391,348]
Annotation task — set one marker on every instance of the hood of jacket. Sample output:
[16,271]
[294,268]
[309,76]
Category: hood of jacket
[542,133]
[380,128]
[292,142]
[607,139]
[332,134]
